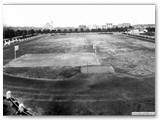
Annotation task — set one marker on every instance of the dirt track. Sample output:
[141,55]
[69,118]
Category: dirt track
[111,94]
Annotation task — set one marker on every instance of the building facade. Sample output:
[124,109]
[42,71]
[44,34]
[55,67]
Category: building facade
[95,26]
[84,27]
[104,27]
[109,25]
[124,25]
[48,26]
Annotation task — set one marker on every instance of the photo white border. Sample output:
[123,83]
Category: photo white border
[84,2]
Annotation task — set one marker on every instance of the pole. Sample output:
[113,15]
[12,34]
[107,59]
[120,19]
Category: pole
[95,50]
[15,54]
[87,67]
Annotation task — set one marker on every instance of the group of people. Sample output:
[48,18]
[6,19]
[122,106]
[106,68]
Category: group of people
[18,107]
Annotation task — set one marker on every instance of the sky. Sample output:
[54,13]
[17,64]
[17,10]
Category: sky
[75,15]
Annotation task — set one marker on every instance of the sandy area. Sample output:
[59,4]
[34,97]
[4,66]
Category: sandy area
[38,60]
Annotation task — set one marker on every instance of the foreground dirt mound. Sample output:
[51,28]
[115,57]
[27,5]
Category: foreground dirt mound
[97,69]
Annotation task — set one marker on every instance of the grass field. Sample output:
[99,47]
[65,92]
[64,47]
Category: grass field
[123,82]
[128,54]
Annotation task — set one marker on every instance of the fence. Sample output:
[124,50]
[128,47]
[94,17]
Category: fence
[8,41]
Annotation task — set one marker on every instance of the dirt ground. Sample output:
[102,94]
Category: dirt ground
[57,60]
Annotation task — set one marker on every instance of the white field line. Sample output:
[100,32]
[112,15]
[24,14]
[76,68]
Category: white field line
[25,88]
[98,61]
[57,94]
[81,100]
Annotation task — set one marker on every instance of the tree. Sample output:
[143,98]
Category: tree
[18,33]
[76,30]
[24,33]
[9,33]
[46,31]
[70,30]
[39,31]
[130,27]
[82,30]
[103,30]
[32,31]
[64,31]
[59,31]
[53,31]
[93,30]
[125,29]
[87,30]
[99,30]
[149,29]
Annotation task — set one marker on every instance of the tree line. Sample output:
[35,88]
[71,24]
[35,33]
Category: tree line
[9,32]
[150,29]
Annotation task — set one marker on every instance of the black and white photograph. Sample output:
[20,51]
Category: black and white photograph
[79,59]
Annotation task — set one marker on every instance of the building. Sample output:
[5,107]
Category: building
[109,25]
[137,31]
[104,27]
[134,32]
[48,26]
[124,25]
[115,26]
[144,26]
[95,26]
[84,27]
[21,28]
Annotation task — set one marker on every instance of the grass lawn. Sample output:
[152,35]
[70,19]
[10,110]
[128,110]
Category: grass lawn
[130,88]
